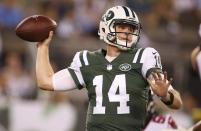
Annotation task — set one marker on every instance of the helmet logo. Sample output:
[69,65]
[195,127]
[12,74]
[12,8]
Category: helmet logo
[110,15]
[125,67]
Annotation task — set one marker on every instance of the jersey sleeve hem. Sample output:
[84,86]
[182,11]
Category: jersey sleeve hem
[72,73]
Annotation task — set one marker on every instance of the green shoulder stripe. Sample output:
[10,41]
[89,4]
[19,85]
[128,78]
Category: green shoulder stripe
[140,55]
[83,58]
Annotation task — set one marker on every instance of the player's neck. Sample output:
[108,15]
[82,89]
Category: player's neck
[113,51]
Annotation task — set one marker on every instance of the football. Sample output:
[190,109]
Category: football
[35,28]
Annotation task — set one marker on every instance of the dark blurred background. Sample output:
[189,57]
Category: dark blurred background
[170,26]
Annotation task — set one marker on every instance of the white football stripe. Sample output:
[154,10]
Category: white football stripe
[136,55]
[85,58]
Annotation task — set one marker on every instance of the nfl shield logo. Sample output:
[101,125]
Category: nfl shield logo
[109,67]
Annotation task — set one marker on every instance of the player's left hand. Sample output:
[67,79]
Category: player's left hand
[159,83]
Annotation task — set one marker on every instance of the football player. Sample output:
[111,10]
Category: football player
[196,59]
[117,78]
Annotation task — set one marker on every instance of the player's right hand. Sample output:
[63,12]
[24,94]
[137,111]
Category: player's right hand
[47,41]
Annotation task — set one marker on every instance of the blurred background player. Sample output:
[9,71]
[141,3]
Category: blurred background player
[196,56]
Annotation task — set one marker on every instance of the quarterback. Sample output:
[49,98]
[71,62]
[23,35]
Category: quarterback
[118,78]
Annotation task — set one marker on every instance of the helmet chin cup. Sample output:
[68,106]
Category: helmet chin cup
[124,45]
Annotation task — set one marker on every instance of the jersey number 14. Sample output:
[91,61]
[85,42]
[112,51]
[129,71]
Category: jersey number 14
[122,97]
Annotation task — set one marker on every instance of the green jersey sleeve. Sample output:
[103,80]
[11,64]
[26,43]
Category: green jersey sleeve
[151,61]
[74,68]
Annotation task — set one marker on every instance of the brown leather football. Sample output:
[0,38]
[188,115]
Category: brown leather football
[35,28]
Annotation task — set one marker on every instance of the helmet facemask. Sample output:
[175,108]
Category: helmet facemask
[113,36]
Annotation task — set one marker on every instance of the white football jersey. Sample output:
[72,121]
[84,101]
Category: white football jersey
[72,77]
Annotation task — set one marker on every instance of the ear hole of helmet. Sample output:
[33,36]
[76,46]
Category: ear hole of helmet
[103,29]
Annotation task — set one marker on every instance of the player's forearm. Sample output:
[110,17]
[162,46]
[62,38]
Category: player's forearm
[176,99]
[44,71]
